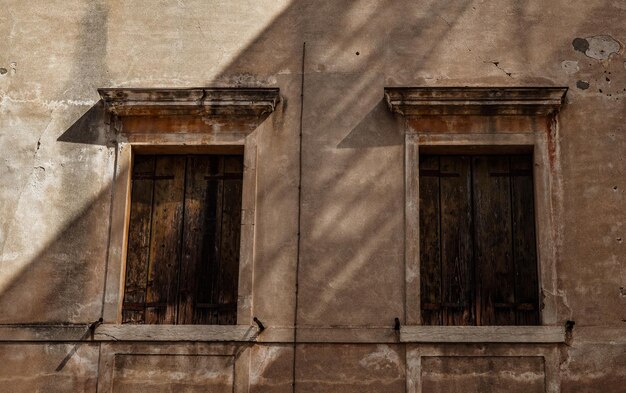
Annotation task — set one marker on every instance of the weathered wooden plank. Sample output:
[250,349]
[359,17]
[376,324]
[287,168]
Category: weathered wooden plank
[482,334]
[524,246]
[495,282]
[175,333]
[139,237]
[457,267]
[212,222]
[230,239]
[165,247]
[193,247]
[430,251]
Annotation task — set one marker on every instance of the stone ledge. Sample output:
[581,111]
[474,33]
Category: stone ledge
[196,333]
[482,334]
[107,332]
[309,334]
[437,101]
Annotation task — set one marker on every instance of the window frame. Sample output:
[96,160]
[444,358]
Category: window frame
[482,119]
[544,214]
[182,121]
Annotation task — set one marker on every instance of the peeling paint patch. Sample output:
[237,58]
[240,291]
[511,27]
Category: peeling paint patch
[570,66]
[599,47]
[582,85]
[383,358]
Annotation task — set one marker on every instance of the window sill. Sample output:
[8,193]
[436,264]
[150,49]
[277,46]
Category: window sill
[199,333]
[482,334]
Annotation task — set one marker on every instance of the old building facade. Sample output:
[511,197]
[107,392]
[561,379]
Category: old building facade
[279,196]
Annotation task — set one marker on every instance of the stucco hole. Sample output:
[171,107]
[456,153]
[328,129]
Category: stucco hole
[619,240]
[583,85]
[357,53]
[580,44]
[3,71]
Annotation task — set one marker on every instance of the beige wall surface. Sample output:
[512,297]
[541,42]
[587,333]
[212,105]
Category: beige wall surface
[340,243]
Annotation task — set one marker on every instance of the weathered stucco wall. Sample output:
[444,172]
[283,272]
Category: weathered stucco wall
[58,160]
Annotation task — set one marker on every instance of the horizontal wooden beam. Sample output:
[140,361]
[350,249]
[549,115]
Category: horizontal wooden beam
[204,101]
[482,334]
[421,101]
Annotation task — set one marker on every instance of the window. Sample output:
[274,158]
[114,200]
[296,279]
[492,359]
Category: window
[476,122]
[182,262]
[478,263]
[182,125]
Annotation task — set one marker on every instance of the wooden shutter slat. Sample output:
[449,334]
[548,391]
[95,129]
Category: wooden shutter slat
[495,281]
[524,247]
[212,221]
[194,251]
[430,252]
[456,240]
[138,239]
[229,247]
[165,247]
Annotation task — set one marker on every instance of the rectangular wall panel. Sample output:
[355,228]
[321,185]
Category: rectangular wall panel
[173,373]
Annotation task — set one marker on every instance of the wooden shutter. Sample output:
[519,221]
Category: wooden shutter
[183,248]
[446,242]
[210,272]
[524,242]
[139,240]
[477,241]
[430,244]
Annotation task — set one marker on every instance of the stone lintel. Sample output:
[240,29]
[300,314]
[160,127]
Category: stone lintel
[204,101]
[437,101]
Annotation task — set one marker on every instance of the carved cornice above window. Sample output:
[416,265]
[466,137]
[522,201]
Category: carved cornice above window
[488,101]
[203,102]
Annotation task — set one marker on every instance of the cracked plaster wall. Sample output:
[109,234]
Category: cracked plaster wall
[56,164]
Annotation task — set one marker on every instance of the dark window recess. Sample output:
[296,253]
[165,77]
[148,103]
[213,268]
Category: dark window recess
[478,260]
[183,244]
